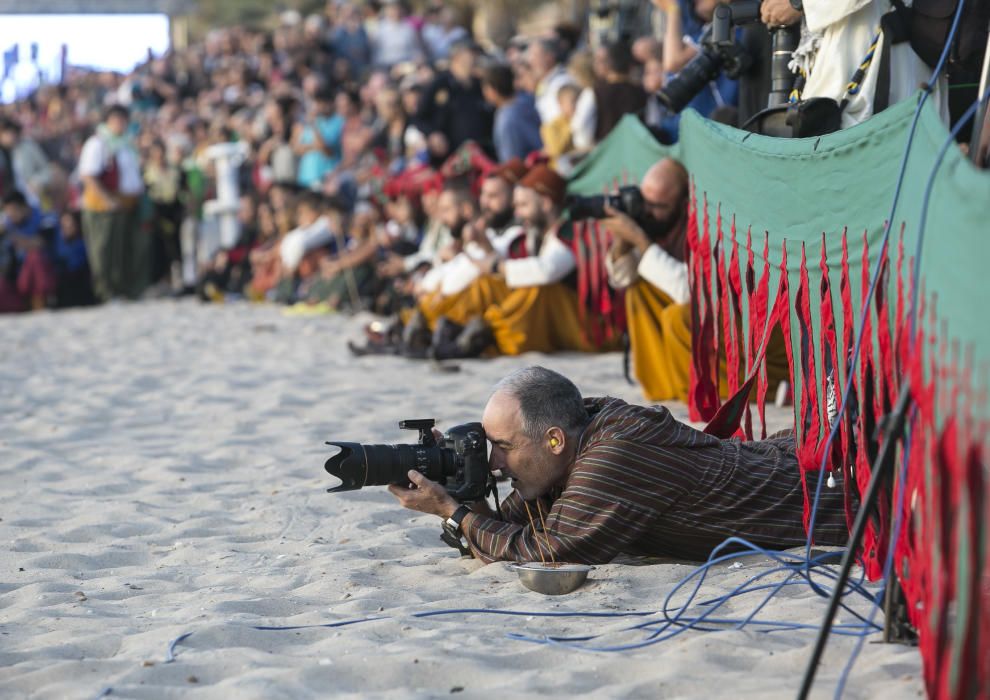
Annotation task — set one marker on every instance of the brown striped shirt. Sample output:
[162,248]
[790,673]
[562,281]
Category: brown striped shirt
[645,484]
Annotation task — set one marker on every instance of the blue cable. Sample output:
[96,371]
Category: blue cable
[898,514]
[926,91]
[682,622]
[343,623]
[170,653]
[523,613]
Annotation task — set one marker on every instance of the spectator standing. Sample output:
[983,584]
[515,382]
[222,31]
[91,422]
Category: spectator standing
[839,34]
[350,41]
[654,114]
[616,95]
[395,40]
[441,31]
[544,63]
[453,104]
[163,179]
[111,176]
[517,123]
[584,70]
[30,164]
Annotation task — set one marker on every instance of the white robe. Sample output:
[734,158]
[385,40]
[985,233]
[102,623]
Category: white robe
[847,28]
[656,266]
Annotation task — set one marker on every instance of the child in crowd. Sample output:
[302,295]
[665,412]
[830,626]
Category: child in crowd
[557,136]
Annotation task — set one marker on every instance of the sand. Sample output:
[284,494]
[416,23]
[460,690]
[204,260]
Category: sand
[162,475]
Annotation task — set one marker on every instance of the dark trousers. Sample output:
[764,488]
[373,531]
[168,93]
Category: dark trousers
[118,253]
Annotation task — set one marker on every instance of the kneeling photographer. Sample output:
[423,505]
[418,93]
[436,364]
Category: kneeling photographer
[594,478]
[649,230]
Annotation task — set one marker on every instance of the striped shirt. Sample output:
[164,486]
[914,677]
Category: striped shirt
[645,484]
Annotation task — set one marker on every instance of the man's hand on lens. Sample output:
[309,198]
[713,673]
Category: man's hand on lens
[779,13]
[425,496]
[625,229]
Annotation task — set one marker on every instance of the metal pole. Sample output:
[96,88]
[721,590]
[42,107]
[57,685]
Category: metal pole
[979,143]
[883,468]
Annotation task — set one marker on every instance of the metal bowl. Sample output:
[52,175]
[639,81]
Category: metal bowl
[552,579]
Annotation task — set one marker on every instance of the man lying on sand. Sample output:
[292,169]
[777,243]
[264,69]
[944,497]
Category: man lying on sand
[597,477]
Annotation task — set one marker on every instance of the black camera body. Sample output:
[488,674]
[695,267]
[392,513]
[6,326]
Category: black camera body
[628,200]
[458,461]
[721,54]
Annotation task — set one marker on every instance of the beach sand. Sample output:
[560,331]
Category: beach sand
[162,475]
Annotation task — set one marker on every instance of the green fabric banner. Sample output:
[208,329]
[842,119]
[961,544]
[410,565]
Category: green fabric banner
[827,191]
[796,189]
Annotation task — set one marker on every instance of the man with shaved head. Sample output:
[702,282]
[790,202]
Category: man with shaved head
[648,259]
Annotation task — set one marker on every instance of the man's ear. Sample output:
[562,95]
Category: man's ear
[556,440]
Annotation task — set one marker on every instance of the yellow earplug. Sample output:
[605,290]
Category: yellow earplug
[554,442]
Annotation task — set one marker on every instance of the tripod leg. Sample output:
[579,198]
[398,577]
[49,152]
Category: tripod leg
[882,471]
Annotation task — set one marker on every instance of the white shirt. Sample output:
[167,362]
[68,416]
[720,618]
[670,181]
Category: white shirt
[656,266]
[584,121]
[553,263]
[457,274]
[300,241]
[96,155]
[546,93]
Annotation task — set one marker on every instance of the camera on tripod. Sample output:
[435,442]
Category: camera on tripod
[719,53]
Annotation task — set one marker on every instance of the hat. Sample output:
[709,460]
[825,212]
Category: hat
[468,162]
[512,171]
[547,182]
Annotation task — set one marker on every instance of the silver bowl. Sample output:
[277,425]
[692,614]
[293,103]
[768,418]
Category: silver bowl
[552,579]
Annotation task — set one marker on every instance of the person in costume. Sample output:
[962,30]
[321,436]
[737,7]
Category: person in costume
[648,260]
[112,183]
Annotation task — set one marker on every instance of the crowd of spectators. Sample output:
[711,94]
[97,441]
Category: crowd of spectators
[109,173]
[378,155]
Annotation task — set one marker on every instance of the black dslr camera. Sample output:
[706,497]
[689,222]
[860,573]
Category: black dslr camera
[628,200]
[458,461]
[721,54]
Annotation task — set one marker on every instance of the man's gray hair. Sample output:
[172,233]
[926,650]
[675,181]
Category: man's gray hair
[546,399]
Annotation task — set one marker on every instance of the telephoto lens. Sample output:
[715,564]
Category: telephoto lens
[703,68]
[359,465]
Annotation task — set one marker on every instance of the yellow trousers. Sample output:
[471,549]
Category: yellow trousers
[660,339]
[484,292]
[538,319]
[523,319]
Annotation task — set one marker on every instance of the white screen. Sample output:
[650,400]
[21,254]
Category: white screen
[106,42]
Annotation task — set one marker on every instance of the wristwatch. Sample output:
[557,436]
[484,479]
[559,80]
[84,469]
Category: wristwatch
[452,533]
[798,5]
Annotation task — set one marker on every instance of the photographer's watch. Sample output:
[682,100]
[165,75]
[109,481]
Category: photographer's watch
[453,535]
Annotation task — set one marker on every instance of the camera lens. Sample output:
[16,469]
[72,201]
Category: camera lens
[358,466]
[692,79]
